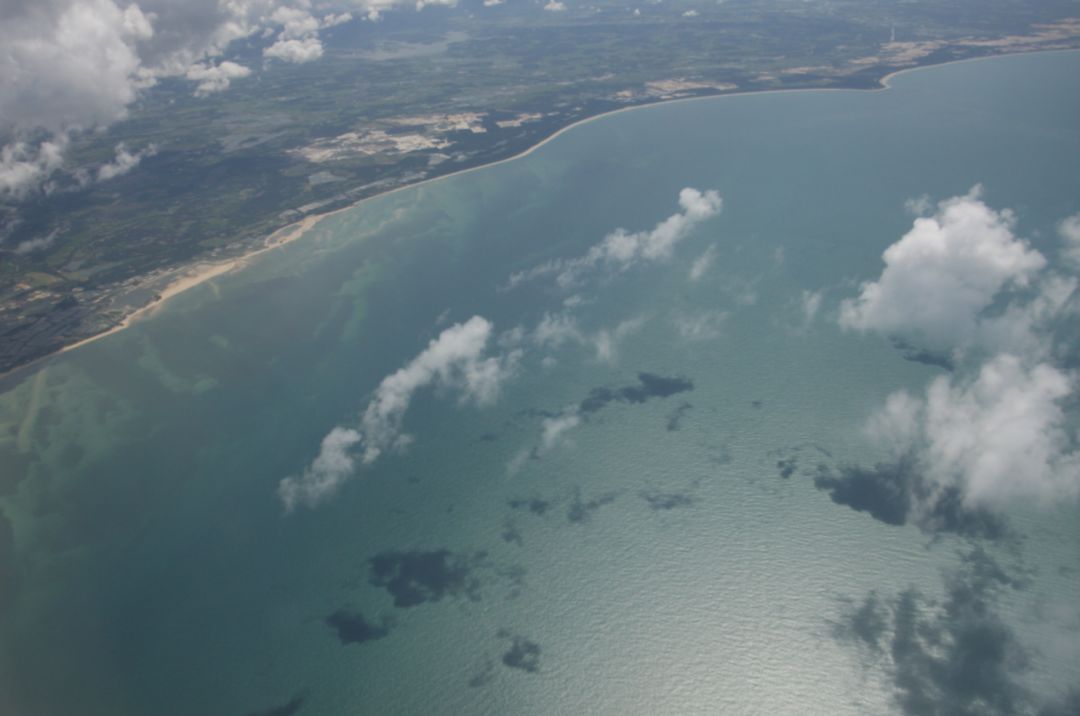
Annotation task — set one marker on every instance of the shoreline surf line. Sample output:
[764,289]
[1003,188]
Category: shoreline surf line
[189,277]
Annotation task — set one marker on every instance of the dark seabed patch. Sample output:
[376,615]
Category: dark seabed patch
[287,709]
[922,355]
[523,654]
[352,628]
[787,466]
[413,578]
[958,657]
[582,510]
[897,492]
[667,500]
[675,418]
[534,505]
[649,386]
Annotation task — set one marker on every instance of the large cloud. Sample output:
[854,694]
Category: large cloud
[944,272]
[455,360]
[72,65]
[998,433]
[1000,436]
[621,249]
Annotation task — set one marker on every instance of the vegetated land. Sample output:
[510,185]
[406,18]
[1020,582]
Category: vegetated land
[418,95]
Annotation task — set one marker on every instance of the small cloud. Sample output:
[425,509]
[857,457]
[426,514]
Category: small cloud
[690,13]
[702,326]
[215,78]
[322,478]
[125,161]
[607,341]
[555,6]
[919,206]
[553,429]
[297,51]
[811,304]
[703,263]
[558,329]
[621,249]
[1069,230]
[25,168]
[455,360]
[39,244]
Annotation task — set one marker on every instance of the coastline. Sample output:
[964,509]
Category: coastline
[199,272]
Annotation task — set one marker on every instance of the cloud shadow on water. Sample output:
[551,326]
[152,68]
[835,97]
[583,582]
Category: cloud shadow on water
[582,510]
[675,418]
[534,505]
[353,628]
[663,501]
[416,577]
[649,386]
[523,654]
[897,493]
[953,658]
[915,354]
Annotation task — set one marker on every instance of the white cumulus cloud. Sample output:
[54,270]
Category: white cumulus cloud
[944,272]
[621,249]
[125,161]
[456,360]
[334,464]
[296,51]
[25,168]
[1000,436]
[215,78]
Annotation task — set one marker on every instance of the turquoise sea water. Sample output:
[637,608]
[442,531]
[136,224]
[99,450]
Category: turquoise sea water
[151,569]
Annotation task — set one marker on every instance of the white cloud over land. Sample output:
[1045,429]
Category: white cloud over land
[456,360]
